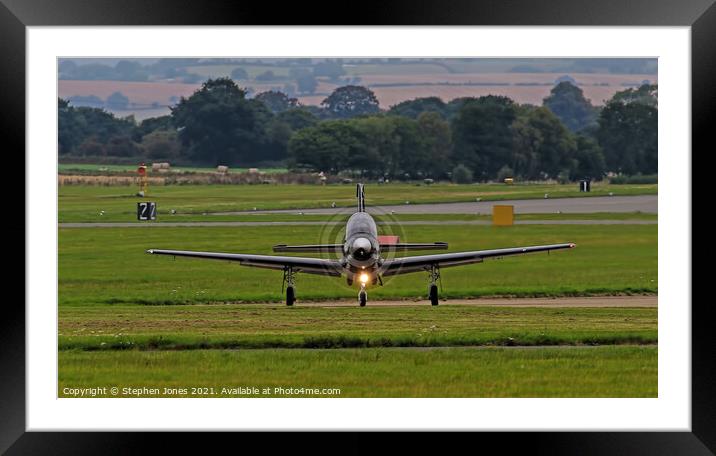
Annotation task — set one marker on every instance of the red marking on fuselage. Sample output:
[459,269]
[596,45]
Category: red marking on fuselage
[388,240]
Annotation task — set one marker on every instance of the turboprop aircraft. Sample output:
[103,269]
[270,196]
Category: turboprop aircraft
[361,258]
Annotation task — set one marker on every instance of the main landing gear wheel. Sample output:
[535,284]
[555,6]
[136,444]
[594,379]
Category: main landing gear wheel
[290,296]
[434,273]
[288,281]
[362,298]
[433,294]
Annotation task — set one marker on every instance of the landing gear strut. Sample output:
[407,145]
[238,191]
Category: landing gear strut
[433,288]
[362,296]
[289,284]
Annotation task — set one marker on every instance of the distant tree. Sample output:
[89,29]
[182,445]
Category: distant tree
[162,144]
[483,136]
[565,78]
[298,118]
[69,132]
[332,70]
[556,145]
[567,102]
[122,146]
[461,174]
[218,125]
[267,75]
[403,147]
[317,111]
[374,146]
[454,105]
[127,70]
[628,135]
[504,173]
[306,83]
[526,143]
[278,134]
[239,73]
[276,101]
[151,124]
[296,72]
[90,147]
[590,159]
[437,140]
[89,126]
[413,108]
[91,101]
[351,101]
[117,101]
[325,147]
[646,94]
[289,89]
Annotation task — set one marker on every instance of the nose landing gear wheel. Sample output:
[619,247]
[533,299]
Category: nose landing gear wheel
[433,294]
[362,298]
[290,296]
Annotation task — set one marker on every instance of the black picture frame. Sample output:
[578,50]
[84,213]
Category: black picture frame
[16,15]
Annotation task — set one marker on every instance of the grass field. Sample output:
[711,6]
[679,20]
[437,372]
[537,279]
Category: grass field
[110,266]
[613,371]
[128,319]
[85,203]
[265,326]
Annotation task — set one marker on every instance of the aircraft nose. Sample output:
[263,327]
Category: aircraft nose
[361,248]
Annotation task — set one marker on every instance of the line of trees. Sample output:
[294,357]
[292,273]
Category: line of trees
[485,138]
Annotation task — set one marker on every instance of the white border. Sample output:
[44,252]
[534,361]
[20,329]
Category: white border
[671,411]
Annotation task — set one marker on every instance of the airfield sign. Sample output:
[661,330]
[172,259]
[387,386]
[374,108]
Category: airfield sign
[146,210]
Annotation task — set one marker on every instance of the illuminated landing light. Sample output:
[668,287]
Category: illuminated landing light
[363,278]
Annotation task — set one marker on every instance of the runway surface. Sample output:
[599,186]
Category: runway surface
[319,223]
[641,203]
[596,301]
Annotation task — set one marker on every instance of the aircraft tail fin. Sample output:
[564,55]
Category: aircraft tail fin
[360,194]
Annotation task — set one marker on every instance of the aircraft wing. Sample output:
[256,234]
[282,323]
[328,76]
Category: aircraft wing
[314,248]
[404,246]
[298,264]
[338,248]
[425,262]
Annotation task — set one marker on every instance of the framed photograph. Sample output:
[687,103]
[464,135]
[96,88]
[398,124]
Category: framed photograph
[427,219]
